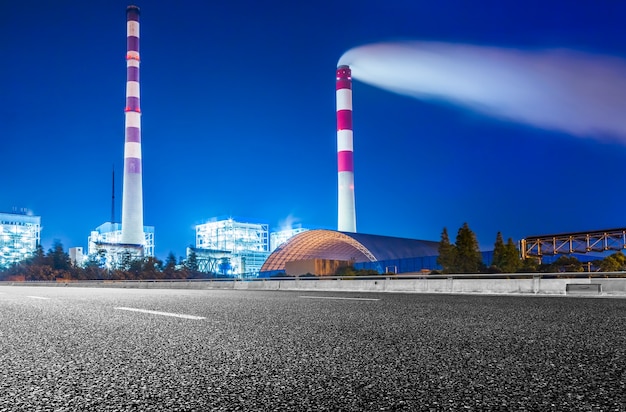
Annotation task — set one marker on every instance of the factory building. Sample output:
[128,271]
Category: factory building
[106,247]
[20,234]
[230,247]
[320,252]
[77,256]
[281,236]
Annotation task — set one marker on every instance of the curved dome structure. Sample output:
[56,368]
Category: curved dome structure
[357,247]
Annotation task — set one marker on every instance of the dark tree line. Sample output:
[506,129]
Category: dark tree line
[464,256]
[56,265]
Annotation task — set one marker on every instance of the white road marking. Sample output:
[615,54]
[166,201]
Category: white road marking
[335,298]
[38,297]
[156,312]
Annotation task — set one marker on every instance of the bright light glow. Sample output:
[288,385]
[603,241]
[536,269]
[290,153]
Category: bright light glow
[245,243]
[21,233]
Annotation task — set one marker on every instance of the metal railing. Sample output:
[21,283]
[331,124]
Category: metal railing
[559,275]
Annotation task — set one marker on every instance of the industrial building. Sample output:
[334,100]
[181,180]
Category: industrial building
[279,237]
[231,247]
[20,234]
[105,245]
[333,249]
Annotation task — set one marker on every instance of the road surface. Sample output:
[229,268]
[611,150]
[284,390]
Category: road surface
[74,349]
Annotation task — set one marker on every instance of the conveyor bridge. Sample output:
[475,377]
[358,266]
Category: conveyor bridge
[575,242]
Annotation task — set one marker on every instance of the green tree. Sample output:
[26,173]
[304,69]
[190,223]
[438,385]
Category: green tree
[39,257]
[151,268]
[511,261]
[613,263]
[566,264]
[346,271]
[170,266]
[135,268]
[468,256]
[447,253]
[529,265]
[499,253]
[60,262]
[191,262]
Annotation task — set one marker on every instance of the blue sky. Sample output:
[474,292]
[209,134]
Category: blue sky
[238,103]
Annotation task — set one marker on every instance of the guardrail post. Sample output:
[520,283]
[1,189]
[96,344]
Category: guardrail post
[536,280]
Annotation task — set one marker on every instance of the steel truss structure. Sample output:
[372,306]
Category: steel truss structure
[233,248]
[576,242]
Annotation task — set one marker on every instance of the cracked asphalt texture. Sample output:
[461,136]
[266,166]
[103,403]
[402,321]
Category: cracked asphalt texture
[260,350]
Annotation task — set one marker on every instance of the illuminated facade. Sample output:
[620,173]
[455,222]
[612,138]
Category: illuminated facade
[281,236]
[20,234]
[232,248]
[106,247]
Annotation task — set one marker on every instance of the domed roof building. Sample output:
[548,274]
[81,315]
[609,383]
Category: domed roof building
[371,251]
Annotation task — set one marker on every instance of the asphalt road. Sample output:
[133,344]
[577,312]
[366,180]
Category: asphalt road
[76,349]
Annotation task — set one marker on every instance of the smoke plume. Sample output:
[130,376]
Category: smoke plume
[571,91]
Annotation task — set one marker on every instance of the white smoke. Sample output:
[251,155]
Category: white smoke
[566,90]
[287,223]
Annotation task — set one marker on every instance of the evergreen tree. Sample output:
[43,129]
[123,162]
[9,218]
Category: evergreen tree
[170,266]
[468,256]
[511,262]
[135,269]
[499,253]
[58,259]
[447,253]
[39,257]
[529,265]
[152,268]
[192,261]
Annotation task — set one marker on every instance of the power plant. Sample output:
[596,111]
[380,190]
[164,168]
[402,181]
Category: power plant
[346,213]
[229,247]
[234,248]
[132,197]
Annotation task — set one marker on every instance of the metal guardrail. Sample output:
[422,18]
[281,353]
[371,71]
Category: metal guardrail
[559,275]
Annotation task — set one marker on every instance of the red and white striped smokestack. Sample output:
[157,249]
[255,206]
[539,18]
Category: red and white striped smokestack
[346,213]
[132,197]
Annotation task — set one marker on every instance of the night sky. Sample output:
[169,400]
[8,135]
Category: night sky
[238,119]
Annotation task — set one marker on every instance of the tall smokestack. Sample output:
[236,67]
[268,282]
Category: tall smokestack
[132,197]
[346,216]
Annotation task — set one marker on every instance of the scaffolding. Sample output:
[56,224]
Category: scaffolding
[231,248]
[20,234]
[231,235]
